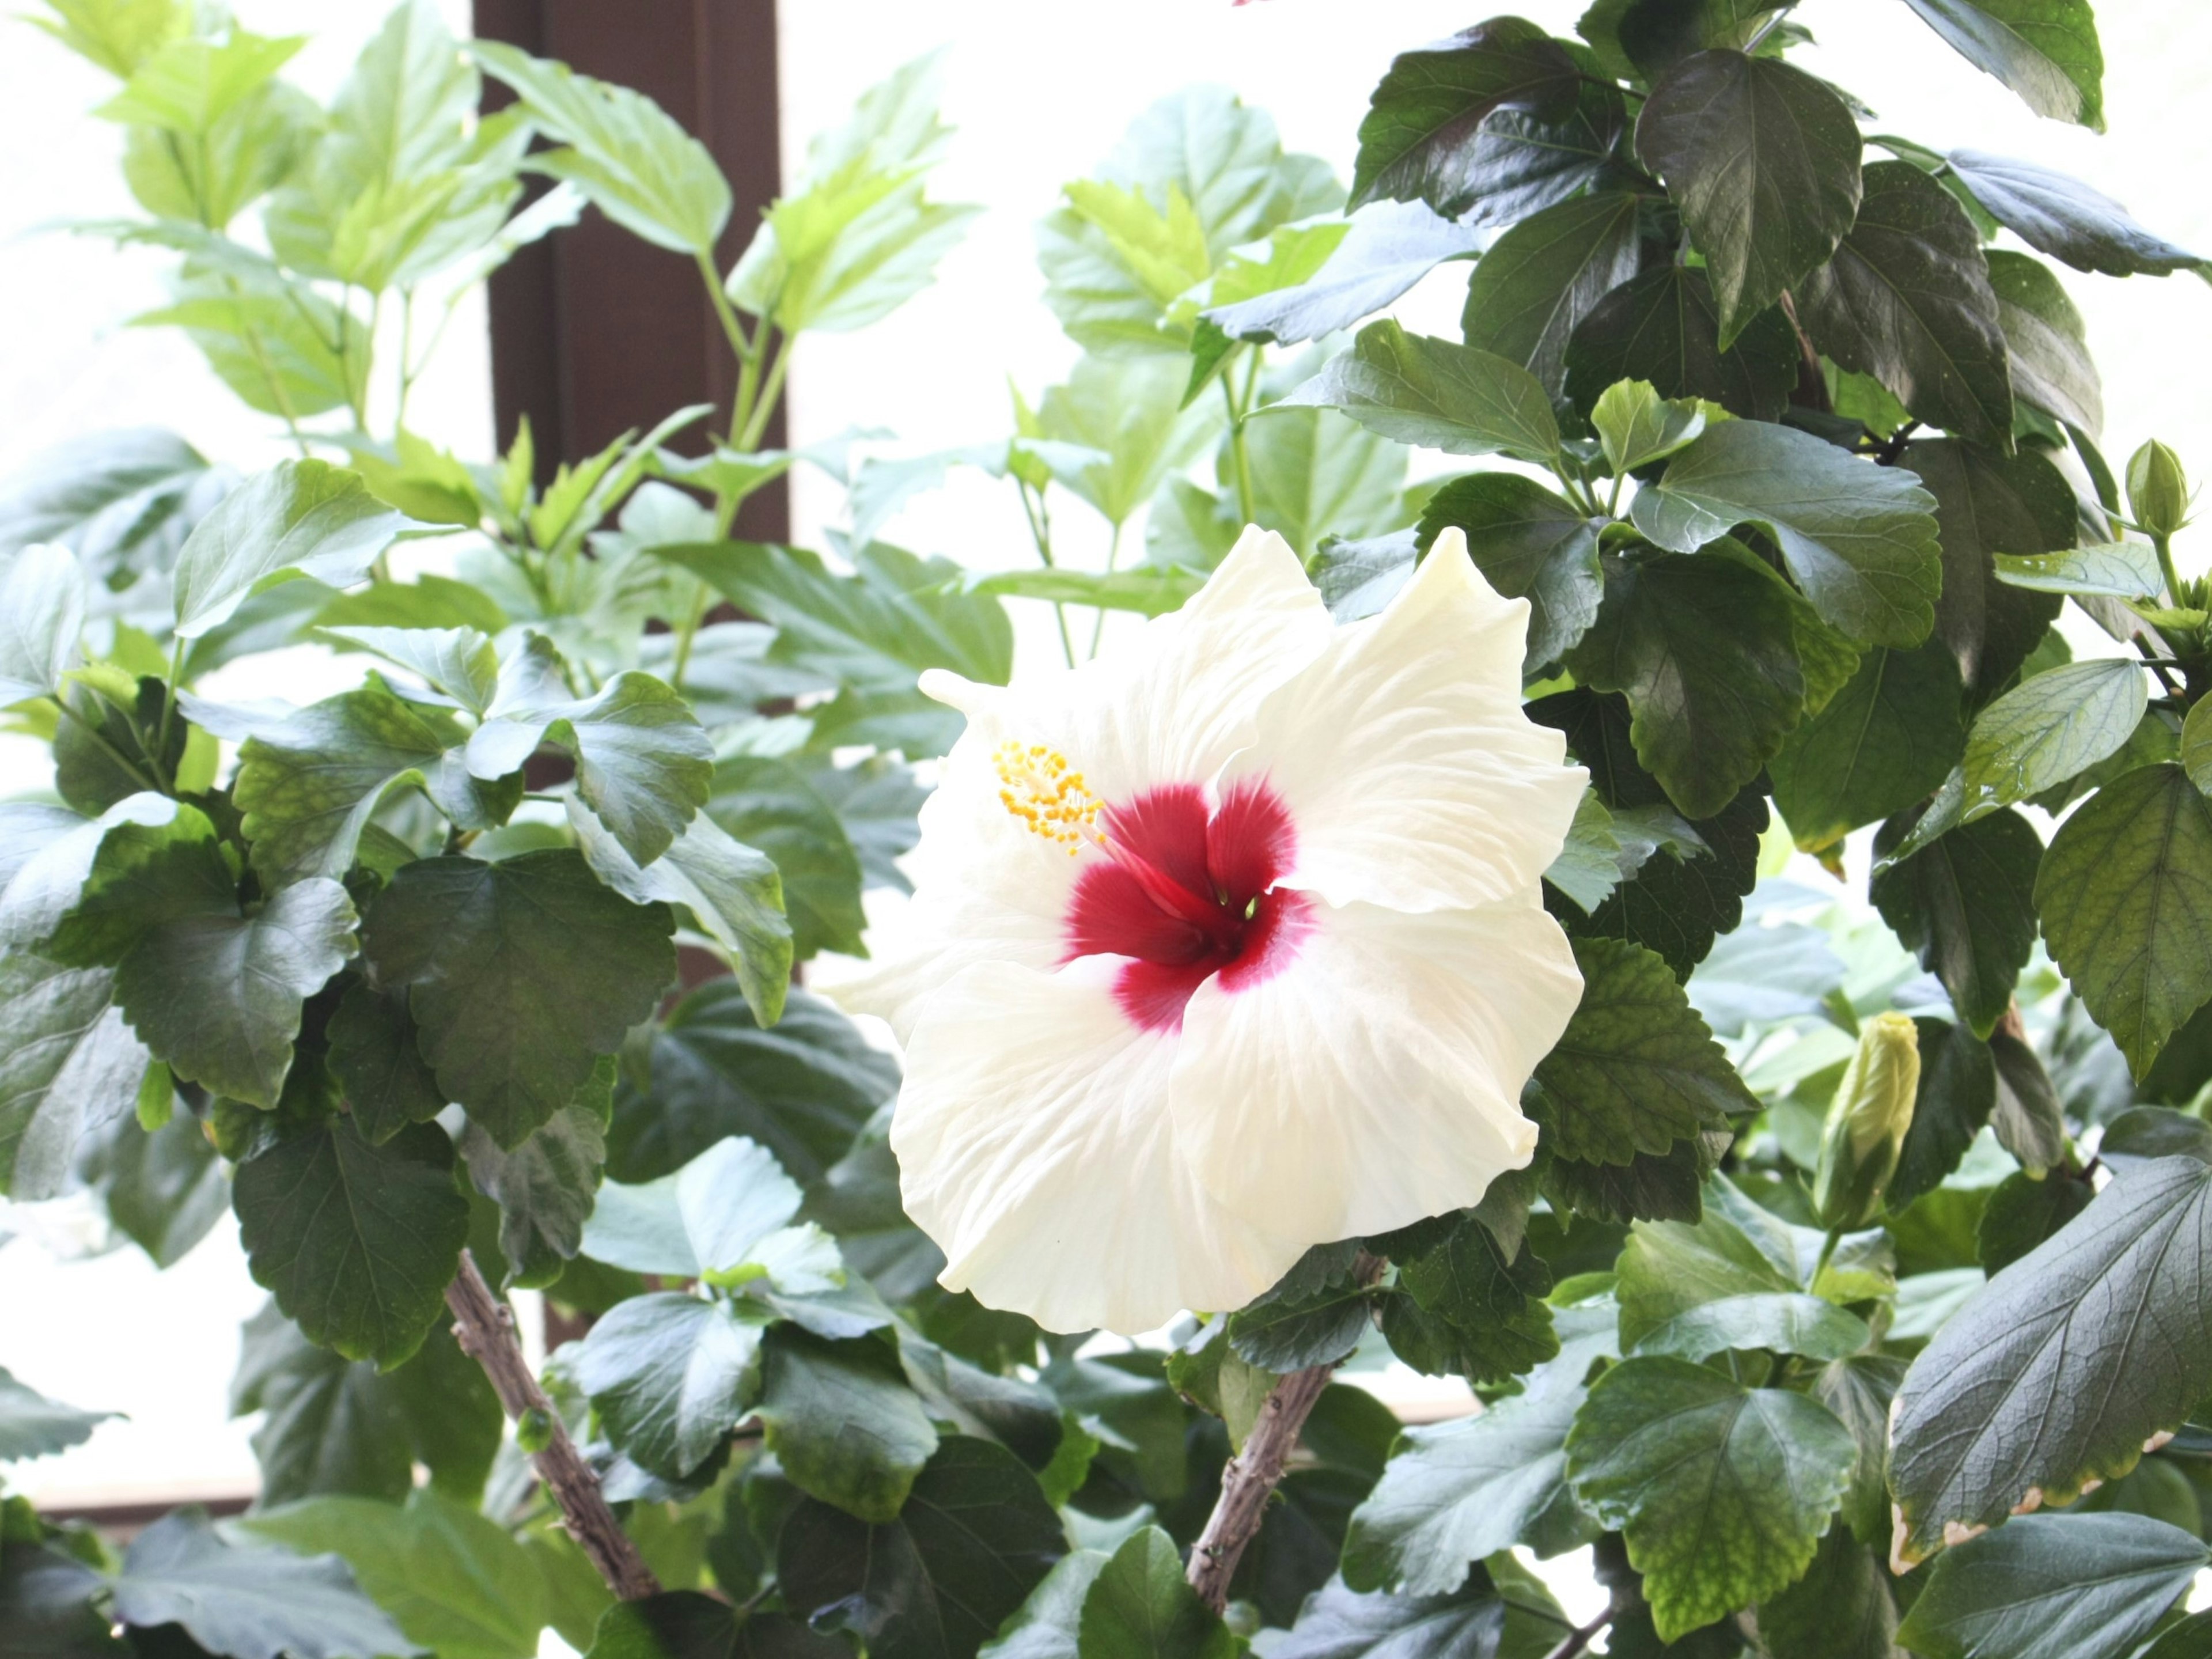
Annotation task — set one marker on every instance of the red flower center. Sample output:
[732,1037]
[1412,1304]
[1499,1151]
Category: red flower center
[1187,893]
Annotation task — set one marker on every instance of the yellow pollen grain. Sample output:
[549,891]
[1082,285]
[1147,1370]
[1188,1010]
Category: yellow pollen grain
[1037,785]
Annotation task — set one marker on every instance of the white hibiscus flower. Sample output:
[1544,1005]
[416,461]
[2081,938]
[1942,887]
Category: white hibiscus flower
[1227,944]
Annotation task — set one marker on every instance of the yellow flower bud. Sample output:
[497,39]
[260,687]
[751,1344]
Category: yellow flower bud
[2158,490]
[1867,1122]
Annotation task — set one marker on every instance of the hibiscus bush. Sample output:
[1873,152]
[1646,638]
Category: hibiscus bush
[1382,949]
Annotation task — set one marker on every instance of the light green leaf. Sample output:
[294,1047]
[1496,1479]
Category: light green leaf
[283,348]
[452,1580]
[1887,739]
[2054,1586]
[1316,474]
[1907,299]
[2049,729]
[1638,426]
[842,1422]
[1151,591]
[1140,1606]
[357,1241]
[1722,1491]
[2122,570]
[622,149]
[460,663]
[43,592]
[187,86]
[2047,51]
[1538,281]
[118,35]
[1423,390]
[300,518]
[668,1375]
[708,1217]
[32,1425]
[1860,540]
[249,1603]
[519,975]
[1763,161]
[1131,413]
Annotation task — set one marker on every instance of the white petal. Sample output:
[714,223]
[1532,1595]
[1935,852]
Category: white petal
[1413,777]
[1377,1079]
[1034,1147]
[1170,707]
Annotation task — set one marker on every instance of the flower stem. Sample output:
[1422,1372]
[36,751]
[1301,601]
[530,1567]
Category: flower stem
[485,1331]
[2165,546]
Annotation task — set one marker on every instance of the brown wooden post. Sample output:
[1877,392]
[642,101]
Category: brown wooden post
[594,331]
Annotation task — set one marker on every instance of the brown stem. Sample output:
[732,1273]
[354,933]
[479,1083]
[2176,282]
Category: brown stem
[1249,1479]
[485,1330]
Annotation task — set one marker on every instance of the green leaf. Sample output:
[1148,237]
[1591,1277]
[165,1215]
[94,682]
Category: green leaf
[2049,729]
[803,1089]
[1860,540]
[1284,1333]
[1530,544]
[1722,1491]
[42,607]
[164,1189]
[1385,251]
[32,1425]
[1130,411]
[519,975]
[1907,299]
[2057,1372]
[1316,472]
[2080,1586]
[248,1603]
[1139,1607]
[1763,161]
[2125,889]
[69,1065]
[545,1189]
[118,37]
[1638,426]
[2022,1213]
[457,663]
[766,804]
[2047,51]
[1703,648]
[2047,340]
[1539,280]
[2065,218]
[1663,327]
[308,786]
[123,501]
[1636,1070]
[669,1376]
[974,1538]
[731,890]
[1503,1610]
[1885,741]
[453,1580]
[622,149]
[1429,391]
[842,1422]
[692,1624]
[1858,1391]
[357,1241]
[1421,136]
[856,238]
[2121,570]
[187,86]
[429,602]
[298,518]
[1840,1609]
[373,1057]
[1149,592]
[1986,505]
[1469,1306]
[1965,907]
[1457,1493]
[1958,1091]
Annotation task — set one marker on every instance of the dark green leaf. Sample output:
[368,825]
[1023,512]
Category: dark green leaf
[691,1625]
[357,1241]
[2051,369]
[300,518]
[164,1190]
[1457,1493]
[1468,1306]
[1957,1092]
[768,804]
[32,1425]
[1858,1391]
[545,1188]
[1840,1609]
[2047,51]
[1665,1187]
[520,975]
[1663,327]
[1285,1333]
[1703,648]
[249,1603]
[1636,1070]
[1885,741]
[974,1538]
[1763,161]
[668,1375]
[373,1057]
[1722,1491]
[1860,540]
[842,1422]
[1421,136]
[1530,544]
[2023,1211]
[2028,1121]
[68,1066]
[2053,1587]
[802,1089]
[1907,299]
[1503,1612]
[2057,1373]
[2125,893]
[1385,252]
[1965,907]
[1423,390]
[46,1604]
[1538,281]
[1987,504]
[452,1580]
[1139,1607]
[2066,218]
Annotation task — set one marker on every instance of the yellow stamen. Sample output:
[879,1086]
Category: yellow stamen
[1038,787]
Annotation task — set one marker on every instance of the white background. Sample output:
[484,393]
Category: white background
[1039,89]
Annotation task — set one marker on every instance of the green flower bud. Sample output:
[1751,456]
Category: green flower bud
[1867,1122]
[2158,490]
